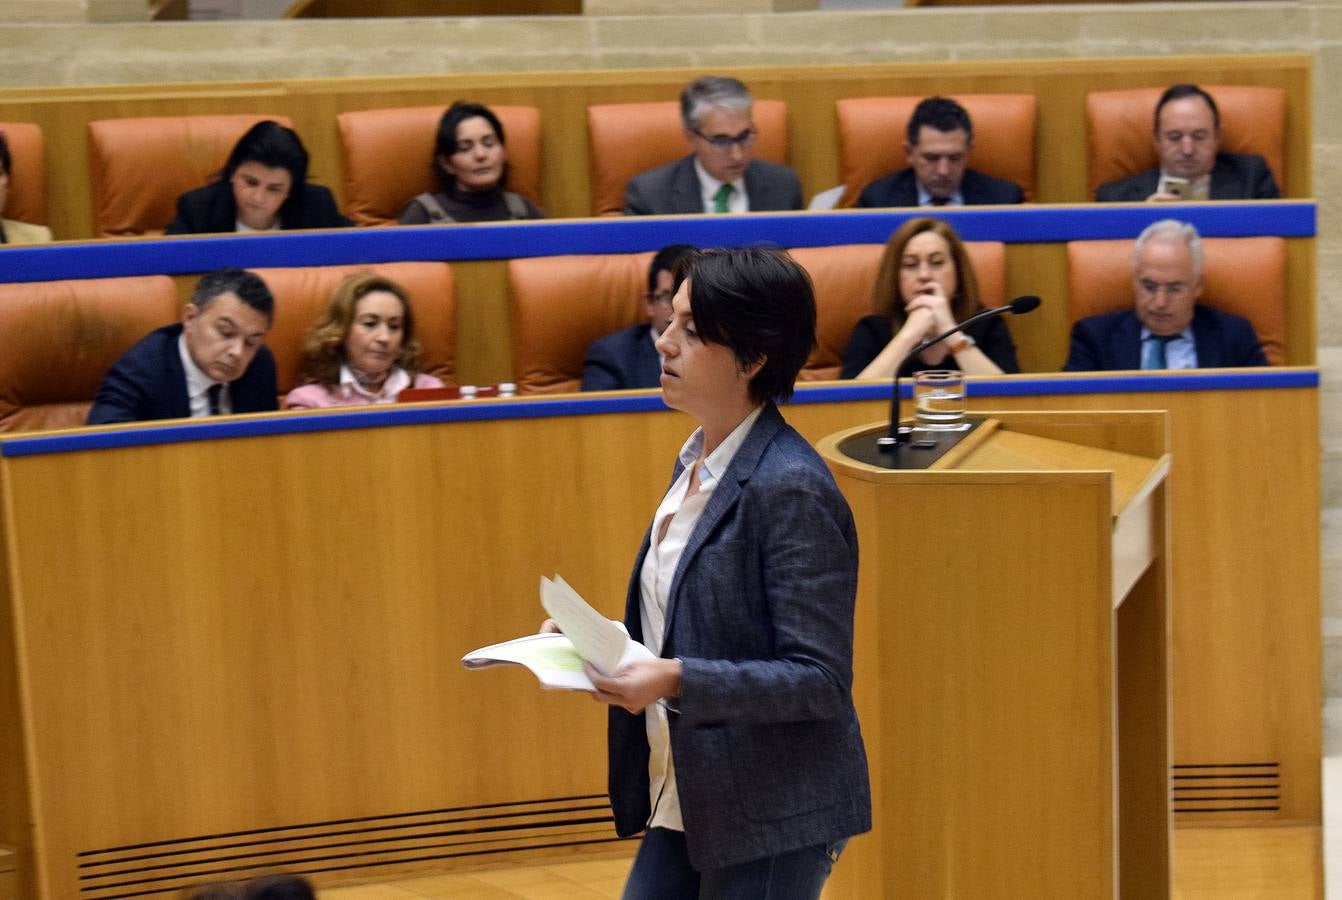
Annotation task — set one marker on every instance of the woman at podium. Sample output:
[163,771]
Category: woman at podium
[738,748]
[925,284]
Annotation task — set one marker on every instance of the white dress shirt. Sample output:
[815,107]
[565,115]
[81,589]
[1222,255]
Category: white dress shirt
[672,526]
[738,202]
[198,386]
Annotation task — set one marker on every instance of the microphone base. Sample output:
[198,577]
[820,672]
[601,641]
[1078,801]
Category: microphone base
[918,448]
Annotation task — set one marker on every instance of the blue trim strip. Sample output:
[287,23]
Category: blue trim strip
[182,432]
[513,240]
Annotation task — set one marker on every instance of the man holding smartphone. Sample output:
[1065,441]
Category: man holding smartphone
[1188,141]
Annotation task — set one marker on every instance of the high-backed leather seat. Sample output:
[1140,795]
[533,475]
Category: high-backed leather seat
[1120,125]
[559,304]
[844,276]
[301,295]
[388,154]
[625,139]
[139,167]
[1244,276]
[872,132]
[59,338]
[28,182]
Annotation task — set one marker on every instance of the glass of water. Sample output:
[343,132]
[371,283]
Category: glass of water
[939,400]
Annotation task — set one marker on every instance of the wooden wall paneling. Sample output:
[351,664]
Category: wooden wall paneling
[16,807]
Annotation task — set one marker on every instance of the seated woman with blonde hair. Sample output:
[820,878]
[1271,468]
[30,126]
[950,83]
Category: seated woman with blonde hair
[363,349]
[926,284]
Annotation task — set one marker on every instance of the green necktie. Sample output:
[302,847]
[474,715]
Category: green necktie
[1155,355]
[720,198]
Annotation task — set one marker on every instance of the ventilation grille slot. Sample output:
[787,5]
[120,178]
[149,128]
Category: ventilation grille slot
[1203,791]
[382,844]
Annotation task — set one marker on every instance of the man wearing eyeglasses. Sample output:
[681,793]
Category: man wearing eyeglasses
[1192,167]
[629,358]
[720,175]
[1166,328]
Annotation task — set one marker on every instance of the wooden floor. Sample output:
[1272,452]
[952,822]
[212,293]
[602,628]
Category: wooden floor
[1280,863]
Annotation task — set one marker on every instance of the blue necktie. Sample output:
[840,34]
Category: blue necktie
[1155,354]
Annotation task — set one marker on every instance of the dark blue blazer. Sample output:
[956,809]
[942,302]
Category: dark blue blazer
[1114,341]
[901,189]
[767,750]
[623,360]
[674,189]
[148,383]
[212,209]
[1235,176]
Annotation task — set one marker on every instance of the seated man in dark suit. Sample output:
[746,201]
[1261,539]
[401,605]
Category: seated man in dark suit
[940,139]
[719,175]
[629,358]
[1188,142]
[1167,327]
[214,362]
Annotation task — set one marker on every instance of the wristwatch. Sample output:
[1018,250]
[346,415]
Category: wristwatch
[961,345]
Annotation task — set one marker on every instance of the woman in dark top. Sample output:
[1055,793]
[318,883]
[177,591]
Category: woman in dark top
[471,161]
[925,285]
[262,187]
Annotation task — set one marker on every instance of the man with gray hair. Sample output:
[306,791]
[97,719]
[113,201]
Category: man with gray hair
[1166,328]
[719,175]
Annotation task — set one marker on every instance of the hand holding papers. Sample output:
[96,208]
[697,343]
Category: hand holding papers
[556,659]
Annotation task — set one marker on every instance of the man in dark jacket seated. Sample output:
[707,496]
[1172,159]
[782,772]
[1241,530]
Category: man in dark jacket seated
[940,138]
[1166,328]
[214,362]
[1188,142]
[629,358]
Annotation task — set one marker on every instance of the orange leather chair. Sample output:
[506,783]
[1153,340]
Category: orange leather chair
[1120,124]
[1244,276]
[559,304]
[301,296]
[844,277]
[628,138]
[872,132]
[28,182]
[59,338]
[139,167]
[387,155]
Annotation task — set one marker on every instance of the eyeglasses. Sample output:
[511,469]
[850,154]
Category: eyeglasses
[1175,290]
[725,142]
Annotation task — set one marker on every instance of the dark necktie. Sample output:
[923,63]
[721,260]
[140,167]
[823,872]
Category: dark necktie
[213,393]
[1155,356]
[940,201]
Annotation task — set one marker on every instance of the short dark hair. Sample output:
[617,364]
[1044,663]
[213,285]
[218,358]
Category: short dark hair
[6,164]
[760,304]
[1180,92]
[667,260]
[940,113]
[276,147]
[445,144]
[248,286]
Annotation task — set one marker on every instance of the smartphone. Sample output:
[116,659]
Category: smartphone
[1179,187]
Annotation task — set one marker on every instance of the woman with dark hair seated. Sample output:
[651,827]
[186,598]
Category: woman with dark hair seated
[262,187]
[11,231]
[471,161]
[925,285]
[363,349]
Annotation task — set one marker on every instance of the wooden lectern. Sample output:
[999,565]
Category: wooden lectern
[1011,661]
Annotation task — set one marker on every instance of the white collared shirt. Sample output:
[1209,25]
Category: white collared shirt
[397,380]
[1180,353]
[239,225]
[738,202]
[676,516]
[925,198]
[198,385]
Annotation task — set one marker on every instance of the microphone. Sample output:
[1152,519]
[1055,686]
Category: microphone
[1018,307]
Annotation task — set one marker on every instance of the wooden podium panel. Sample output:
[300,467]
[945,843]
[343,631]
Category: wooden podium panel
[992,683]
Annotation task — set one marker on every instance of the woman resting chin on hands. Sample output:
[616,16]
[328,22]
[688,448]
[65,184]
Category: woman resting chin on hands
[924,286]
